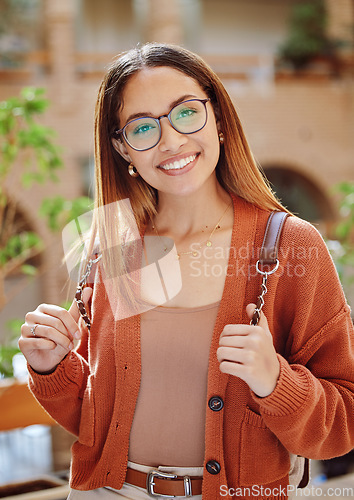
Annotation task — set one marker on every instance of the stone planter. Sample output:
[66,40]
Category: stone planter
[41,488]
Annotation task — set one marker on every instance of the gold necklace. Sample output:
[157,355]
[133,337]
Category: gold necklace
[208,242]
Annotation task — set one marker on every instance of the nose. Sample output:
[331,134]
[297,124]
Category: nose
[171,140]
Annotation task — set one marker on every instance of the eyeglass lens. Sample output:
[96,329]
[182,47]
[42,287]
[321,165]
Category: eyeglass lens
[187,117]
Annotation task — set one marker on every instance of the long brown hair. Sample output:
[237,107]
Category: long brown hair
[236,170]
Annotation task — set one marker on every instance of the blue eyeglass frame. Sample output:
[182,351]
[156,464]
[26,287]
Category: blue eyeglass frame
[157,120]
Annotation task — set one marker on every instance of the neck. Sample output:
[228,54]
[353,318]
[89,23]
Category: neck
[187,215]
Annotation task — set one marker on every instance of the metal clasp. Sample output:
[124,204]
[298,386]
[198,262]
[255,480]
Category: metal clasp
[260,302]
[150,482]
[165,475]
[187,486]
[267,272]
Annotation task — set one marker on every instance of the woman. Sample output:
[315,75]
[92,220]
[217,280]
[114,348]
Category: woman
[185,385]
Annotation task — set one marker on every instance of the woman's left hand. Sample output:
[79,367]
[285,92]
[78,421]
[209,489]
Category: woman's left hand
[247,352]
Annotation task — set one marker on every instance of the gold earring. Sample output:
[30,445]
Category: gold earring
[221,138]
[133,171]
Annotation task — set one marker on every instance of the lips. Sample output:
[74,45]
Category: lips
[178,164]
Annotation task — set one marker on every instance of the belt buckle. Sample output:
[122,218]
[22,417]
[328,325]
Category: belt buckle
[165,475]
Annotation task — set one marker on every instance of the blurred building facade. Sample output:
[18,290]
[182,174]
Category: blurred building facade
[300,126]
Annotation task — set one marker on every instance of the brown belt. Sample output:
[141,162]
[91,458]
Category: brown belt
[161,483]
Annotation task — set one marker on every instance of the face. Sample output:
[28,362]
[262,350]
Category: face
[180,163]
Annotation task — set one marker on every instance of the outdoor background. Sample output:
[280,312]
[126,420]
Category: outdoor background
[294,94]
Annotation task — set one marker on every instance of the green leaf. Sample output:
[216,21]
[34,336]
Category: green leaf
[29,270]
[342,230]
[14,246]
[80,206]
[66,305]
[34,101]
[344,187]
[17,244]
[32,239]
[51,208]
[9,150]
[27,180]
[7,124]
[14,325]
[60,212]
[7,352]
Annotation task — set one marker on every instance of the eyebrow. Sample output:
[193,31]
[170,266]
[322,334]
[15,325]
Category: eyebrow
[172,105]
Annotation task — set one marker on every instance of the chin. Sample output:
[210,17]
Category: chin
[190,190]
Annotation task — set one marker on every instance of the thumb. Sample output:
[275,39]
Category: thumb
[74,309]
[263,322]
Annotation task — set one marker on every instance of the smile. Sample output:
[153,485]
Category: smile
[178,164]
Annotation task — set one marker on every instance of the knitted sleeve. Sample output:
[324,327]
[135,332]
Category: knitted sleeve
[311,410]
[61,393]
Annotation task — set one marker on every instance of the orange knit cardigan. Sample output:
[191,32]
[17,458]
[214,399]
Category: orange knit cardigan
[93,391]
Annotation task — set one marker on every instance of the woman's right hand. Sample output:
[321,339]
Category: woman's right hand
[53,336]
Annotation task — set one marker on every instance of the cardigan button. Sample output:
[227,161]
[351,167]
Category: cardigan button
[216,403]
[213,467]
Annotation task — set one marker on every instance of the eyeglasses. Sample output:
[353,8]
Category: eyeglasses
[144,133]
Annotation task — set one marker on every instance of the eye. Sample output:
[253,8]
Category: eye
[143,128]
[186,113]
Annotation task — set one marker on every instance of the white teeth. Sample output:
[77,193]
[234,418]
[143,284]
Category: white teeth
[177,165]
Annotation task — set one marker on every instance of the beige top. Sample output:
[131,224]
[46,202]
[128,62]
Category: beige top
[169,420]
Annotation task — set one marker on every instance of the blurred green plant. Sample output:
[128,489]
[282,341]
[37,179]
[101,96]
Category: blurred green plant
[342,248]
[59,211]
[8,350]
[29,154]
[307,37]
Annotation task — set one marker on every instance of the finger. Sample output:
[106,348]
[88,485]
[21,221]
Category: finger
[41,344]
[51,334]
[231,330]
[233,355]
[236,369]
[45,319]
[32,345]
[60,313]
[263,322]
[239,341]
[74,310]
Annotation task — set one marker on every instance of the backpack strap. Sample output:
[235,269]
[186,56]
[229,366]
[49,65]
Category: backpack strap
[268,256]
[80,286]
[270,245]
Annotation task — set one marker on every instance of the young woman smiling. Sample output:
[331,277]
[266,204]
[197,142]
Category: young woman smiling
[181,396]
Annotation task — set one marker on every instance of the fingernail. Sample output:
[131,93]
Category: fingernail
[77,334]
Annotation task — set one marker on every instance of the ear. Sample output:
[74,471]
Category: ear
[120,147]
